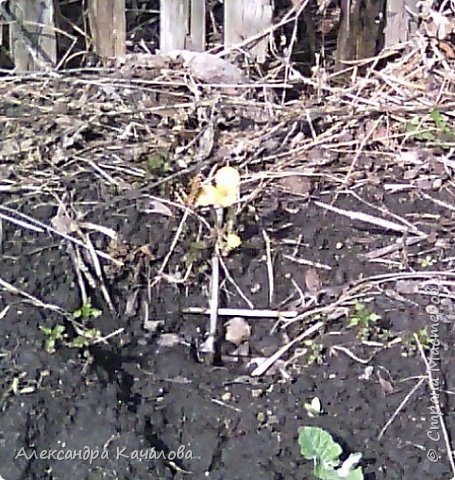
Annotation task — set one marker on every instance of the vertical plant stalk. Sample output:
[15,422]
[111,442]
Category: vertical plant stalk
[208,346]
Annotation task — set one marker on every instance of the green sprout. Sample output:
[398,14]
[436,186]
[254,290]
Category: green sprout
[87,311]
[85,338]
[314,351]
[410,342]
[442,124]
[362,320]
[434,127]
[158,162]
[195,252]
[53,335]
[85,335]
[427,261]
[57,334]
[318,445]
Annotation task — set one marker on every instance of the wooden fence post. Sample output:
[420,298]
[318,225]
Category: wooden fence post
[197,25]
[399,22]
[245,19]
[174,24]
[360,31]
[32,34]
[108,27]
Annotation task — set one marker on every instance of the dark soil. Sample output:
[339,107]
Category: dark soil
[133,408]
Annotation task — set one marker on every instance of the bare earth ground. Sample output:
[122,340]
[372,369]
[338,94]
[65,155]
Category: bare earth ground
[85,154]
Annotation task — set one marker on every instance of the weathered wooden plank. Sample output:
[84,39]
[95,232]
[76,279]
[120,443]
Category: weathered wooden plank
[108,27]
[32,34]
[399,22]
[246,19]
[361,30]
[197,25]
[174,24]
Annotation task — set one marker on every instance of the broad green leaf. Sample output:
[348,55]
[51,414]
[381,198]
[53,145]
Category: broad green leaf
[318,445]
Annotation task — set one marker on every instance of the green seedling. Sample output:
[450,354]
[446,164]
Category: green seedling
[434,128]
[417,130]
[318,446]
[196,252]
[57,334]
[314,351]
[410,342]
[158,162]
[362,320]
[427,261]
[87,311]
[85,338]
[261,418]
[442,124]
[53,335]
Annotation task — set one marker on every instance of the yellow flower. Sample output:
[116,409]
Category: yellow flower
[225,193]
[206,196]
[233,241]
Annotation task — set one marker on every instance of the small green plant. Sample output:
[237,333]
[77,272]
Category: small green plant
[318,445]
[85,338]
[423,337]
[314,351]
[434,127]
[427,261]
[87,311]
[410,343]
[158,162]
[441,122]
[362,320]
[195,253]
[53,335]
[57,334]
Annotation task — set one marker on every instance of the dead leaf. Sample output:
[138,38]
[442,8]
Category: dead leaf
[206,142]
[367,372]
[296,184]
[150,205]
[243,350]
[425,183]
[237,330]
[169,340]
[447,49]
[153,325]
[133,61]
[63,224]
[386,385]
[437,25]
[312,281]
[407,286]
[411,173]
[414,157]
